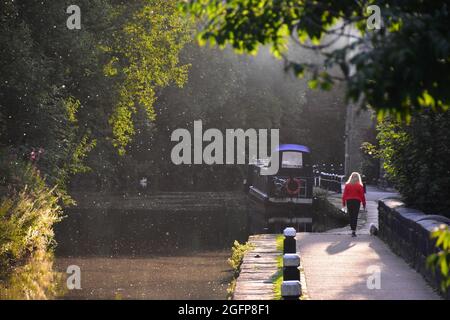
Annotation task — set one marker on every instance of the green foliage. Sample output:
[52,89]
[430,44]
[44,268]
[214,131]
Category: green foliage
[144,54]
[277,278]
[62,93]
[403,67]
[370,166]
[35,280]
[237,255]
[280,242]
[43,70]
[70,159]
[28,211]
[227,91]
[68,91]
[441,260]
[231,288]
[416,157]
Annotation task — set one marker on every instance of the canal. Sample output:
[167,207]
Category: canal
[166,246]
[159,246]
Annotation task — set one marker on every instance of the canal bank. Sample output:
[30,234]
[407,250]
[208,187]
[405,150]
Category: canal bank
[261,272]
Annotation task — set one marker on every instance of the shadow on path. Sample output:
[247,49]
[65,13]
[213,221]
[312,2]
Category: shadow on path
[338,267]
[340,246]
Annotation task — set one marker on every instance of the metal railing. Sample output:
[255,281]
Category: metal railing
[328,180]
[334,168]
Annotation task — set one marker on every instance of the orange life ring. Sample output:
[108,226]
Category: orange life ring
[295,191]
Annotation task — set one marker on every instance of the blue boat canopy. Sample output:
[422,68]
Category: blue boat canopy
[292,147]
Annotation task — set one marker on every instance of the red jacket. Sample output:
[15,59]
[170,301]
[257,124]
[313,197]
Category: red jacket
[353,191]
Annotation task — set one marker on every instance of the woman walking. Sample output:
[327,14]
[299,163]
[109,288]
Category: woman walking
[352,198]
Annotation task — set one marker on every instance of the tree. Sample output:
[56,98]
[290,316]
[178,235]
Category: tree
[57,104]
[38,107]
[144,54]
[400,68]
[416,157]
[230,91]
[440,261]
[64,91]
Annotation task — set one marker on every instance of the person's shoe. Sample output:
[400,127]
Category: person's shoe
[353,234]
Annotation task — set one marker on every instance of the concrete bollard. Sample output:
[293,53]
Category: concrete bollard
[291,262]
[291,290]
[289,243]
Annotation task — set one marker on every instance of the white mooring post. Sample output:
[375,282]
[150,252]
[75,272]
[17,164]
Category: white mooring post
[290,243]
[291,290]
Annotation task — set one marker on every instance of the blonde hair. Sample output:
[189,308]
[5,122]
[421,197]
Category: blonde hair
[355,178]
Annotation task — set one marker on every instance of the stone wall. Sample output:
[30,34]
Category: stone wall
[407,232]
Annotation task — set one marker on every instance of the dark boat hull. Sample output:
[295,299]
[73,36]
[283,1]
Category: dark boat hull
[276,214]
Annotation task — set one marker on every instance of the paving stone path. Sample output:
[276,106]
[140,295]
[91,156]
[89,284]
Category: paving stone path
[337,266]
[366,218]
[258,269]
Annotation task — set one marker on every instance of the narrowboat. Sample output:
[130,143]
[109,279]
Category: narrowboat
[285,198]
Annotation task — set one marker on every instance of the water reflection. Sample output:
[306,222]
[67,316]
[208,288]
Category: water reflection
[111,232]
[133,249]
[196,276]
[141,250]
[35,280]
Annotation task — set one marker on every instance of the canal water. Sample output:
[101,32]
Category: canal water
[163,246]
[159,247]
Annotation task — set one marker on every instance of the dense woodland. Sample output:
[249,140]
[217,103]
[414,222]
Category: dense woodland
[224,91]
[77,97]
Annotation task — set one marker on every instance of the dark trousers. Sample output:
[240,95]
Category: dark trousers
[353,206]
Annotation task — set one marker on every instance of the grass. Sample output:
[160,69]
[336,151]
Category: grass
[34,280]
[280,242]
[28,211]
[277,278]
[237,255]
